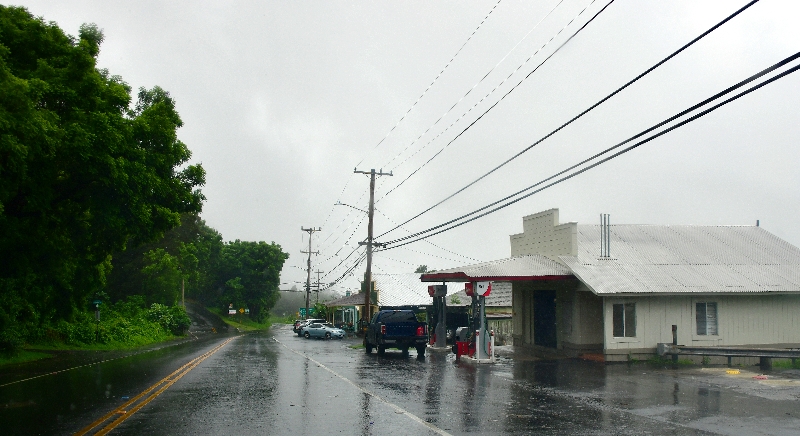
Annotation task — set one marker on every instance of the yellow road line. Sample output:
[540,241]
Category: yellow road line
[166,382]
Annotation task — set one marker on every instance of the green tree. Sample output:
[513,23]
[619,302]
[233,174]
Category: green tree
[257,266]
[82,174]
[422,269]
[162,277]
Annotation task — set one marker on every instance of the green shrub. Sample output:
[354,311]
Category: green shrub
[11,339]
[173,319]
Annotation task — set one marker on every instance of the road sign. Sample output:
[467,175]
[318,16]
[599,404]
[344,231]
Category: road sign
[311,311]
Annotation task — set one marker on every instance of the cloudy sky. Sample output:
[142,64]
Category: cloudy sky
[282,100]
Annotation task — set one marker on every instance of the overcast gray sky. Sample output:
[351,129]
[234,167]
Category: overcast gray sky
[281,100]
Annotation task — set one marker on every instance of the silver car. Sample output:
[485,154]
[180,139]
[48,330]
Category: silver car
[322,330]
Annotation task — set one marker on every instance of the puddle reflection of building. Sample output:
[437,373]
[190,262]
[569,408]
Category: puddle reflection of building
[468,397]
[542,390]
[708,401]
[433,388]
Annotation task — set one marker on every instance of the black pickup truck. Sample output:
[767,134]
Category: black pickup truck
[396,329]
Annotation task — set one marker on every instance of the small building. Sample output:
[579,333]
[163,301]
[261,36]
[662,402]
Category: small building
[616,290]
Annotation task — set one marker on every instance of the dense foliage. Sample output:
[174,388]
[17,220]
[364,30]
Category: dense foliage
[193,256]
[98,201]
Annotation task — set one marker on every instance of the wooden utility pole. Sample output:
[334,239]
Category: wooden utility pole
[318,284]
[368,276]
[310,231]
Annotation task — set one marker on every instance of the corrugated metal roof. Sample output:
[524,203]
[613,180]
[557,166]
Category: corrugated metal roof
[401,290]
[661,259]
[508,269]
[350,300]
[499,297]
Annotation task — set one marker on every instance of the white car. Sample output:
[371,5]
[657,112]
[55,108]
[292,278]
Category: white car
[322,330]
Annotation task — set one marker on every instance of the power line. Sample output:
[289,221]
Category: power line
[646,140]
[429,242]
[504,95]
[435,79]
[469,91]
[601,101]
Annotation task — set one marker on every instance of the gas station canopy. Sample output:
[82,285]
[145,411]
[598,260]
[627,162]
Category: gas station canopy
[512,269]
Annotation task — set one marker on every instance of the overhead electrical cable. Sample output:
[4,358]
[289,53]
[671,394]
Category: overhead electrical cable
[355,230]
[435,79]
[429,242]
[458,221]
[341,261]
[348,271]
[417,101]
[469,91]
[603,100]
[504,95]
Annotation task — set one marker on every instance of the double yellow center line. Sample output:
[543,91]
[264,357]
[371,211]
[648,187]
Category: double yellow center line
[123,412]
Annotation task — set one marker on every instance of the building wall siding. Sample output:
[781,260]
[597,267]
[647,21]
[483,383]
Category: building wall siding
[746,320]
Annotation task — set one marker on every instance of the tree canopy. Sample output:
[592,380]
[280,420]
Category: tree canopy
[82,173]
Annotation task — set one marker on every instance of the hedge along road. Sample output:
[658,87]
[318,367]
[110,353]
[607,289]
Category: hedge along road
[278,383]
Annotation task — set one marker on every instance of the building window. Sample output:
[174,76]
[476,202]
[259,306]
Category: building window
[625,320]
[706,315]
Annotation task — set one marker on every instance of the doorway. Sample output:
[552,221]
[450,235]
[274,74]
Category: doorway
[544,318]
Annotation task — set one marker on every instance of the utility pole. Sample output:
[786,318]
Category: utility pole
[365,316]
[310,231]
[318,284]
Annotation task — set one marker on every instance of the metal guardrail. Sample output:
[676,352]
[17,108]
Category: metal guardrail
[764,354]
[775,353]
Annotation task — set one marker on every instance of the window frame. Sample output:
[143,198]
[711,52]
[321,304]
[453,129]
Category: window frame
[695,331]
[626,306]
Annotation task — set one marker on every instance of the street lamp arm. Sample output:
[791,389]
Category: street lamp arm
[339,203]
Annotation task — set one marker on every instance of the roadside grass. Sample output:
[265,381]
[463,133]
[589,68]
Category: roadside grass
[241,321]
[785,364]
[132,342]
[357,346]
[23,357]
[664,361]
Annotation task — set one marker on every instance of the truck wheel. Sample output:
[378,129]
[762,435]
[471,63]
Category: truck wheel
[381,349]
[405,351]
[421,351]
[368,347]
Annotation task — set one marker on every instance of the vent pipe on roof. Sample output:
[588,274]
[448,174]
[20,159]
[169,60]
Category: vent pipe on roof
[605,235]
[757,223]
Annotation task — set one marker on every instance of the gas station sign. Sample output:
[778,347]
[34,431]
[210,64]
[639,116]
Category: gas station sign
[483,288]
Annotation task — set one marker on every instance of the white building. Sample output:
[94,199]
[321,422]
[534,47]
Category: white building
[720,285]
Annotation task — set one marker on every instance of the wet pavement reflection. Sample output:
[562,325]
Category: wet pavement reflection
[278,383]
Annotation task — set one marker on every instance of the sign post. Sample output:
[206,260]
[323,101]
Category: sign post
[96,304]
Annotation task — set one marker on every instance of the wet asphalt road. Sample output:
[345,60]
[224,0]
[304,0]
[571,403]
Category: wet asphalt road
[278,383]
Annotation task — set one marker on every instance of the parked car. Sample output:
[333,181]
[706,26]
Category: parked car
[396,329]
[299,327]
[322,330]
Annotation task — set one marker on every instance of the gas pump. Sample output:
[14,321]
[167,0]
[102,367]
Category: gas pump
[439,292]
[480,343]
